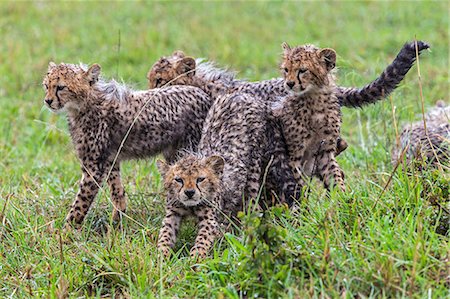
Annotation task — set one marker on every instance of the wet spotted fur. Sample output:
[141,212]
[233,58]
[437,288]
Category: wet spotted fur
[100,114]
[236,129]
[388,80]
[180,69]
[433,147]
[310,115]
[193,186]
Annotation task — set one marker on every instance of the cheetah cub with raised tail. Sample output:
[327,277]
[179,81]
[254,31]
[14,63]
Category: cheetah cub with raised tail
[310,115]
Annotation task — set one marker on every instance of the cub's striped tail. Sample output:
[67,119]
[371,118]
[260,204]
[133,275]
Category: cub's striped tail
[389,79]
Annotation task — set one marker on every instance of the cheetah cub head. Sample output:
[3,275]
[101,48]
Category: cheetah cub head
[306,68]
[177,69]
[440,113]
[192,180]
[67,85]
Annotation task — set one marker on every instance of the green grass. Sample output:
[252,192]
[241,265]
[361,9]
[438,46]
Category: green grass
[365,243]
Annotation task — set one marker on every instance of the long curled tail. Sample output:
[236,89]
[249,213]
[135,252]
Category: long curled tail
[389,79]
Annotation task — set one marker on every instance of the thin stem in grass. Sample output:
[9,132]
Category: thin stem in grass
[61,252]
[397,136]
[266,171]
[423,108]
[118,54]
[399,160]
[2,214]
[62,285]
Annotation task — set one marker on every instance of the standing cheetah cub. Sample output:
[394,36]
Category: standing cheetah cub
[110,123]
[179,69]
[310,115]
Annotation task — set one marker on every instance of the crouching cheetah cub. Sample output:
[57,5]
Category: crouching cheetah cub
[431,144]
[110,123]
[224,175]
[193,187]
[310,115]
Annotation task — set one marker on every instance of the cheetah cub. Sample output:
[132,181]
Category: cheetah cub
[310,115]
[110,123]
[179,69]
[434,148]
[225,174]
[193,187]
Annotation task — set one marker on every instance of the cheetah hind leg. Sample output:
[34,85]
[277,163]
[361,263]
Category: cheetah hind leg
[329,171]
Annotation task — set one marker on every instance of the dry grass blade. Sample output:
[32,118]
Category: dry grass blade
[399,161]
[422,102]
[2,214]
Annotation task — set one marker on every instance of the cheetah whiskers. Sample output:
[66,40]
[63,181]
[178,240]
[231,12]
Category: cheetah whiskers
[49,125]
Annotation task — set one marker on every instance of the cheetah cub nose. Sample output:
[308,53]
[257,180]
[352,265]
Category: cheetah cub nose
[49,101]
[189,193]
[290,84]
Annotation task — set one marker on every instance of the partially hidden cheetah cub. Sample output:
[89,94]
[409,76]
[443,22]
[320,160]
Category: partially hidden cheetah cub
[311,116]
[432,144]
[224,175]
[110,123]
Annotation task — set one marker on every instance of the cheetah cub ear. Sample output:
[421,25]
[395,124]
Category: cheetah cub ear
[216,163]
[329,57]
[186,66]
[163,167]
[92,74]
[51,65]
[286,47]
[178,53]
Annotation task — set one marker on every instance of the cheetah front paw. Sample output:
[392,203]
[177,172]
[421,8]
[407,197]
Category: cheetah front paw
[164,250]
[198,253]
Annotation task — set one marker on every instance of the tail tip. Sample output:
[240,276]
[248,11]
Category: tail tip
[421,45]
